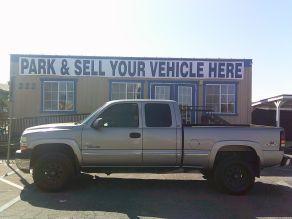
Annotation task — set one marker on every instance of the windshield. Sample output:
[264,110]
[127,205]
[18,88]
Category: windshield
[93,114]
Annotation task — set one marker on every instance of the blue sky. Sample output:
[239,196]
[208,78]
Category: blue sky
[260,30]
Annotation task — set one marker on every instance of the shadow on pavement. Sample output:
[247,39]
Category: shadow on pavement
[163,198]
[22,180]
[277,171]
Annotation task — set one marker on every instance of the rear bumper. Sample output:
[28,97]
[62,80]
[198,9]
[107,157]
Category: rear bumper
[286,160]
[22,160]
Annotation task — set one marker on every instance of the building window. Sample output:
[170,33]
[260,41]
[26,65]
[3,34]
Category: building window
[162,92]
[184,96]
[220,98]
[126,90]
[58,96]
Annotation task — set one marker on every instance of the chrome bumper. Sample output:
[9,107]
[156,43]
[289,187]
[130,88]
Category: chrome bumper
[22,160]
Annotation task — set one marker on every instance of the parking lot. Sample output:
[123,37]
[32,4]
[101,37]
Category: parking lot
[144,196]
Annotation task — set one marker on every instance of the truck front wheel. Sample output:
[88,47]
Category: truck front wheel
[234,176]
[52,172]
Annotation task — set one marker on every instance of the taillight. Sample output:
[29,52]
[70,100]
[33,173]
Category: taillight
[282,140]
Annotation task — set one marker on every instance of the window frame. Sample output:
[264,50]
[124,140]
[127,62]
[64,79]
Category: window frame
[162,86]
[43,110]
[117,104]
[172,111]
[235,84]
[174,84]
[111,82]
[182,94]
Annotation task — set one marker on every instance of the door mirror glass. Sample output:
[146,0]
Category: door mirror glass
[97,123]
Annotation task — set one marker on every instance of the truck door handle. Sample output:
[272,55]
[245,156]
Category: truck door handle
[135,135]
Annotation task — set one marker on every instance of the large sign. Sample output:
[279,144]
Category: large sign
[131,68]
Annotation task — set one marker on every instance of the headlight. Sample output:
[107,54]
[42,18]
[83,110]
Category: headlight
[23,139]
[23,143]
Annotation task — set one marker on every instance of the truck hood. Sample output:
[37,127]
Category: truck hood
[50,127]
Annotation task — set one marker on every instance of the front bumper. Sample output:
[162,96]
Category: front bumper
[22,160]
[286,161]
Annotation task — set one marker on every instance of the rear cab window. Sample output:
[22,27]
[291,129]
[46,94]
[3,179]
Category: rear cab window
[158,115]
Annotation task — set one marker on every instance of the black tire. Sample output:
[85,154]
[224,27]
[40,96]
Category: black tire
[234,176]
[52,172]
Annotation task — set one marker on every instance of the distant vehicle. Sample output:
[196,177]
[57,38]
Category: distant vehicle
[148,136]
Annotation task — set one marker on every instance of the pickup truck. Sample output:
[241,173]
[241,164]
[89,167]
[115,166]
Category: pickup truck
[147,136]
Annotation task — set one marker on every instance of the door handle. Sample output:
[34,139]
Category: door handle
[135,135]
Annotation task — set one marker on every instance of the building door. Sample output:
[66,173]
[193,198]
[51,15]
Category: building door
[185,101]
[183,93]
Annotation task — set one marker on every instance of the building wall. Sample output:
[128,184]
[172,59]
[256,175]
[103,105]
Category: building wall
[92,92]
[244,101]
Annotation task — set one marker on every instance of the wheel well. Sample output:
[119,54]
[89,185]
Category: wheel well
[241,152]
[42,149]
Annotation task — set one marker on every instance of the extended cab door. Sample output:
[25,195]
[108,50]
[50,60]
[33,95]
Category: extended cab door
[117,141]
[159,134]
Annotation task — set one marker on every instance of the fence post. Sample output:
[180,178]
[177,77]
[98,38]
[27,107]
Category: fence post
[9,140]
[9,130]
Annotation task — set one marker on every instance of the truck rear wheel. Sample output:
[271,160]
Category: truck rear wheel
[234,176]
[52,172]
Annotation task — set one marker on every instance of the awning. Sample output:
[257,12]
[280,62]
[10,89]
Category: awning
[278,103]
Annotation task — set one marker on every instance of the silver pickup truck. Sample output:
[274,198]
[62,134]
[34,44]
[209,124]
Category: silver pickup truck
[148,136]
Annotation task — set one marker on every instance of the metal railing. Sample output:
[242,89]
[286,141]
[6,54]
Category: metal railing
[20,124]
[200,115]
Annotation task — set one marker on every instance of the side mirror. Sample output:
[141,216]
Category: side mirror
[97,123]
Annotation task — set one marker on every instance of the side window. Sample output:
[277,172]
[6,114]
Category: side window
[121,115]
[157,115]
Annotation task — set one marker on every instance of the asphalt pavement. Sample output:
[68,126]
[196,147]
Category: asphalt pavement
[144,196]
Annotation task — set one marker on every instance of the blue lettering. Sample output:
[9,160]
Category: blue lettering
[153,68]
[221,70]
[212,70]
[86,66]
[122,68]
[141,68]
[200,69]
[192,74]
[24,65]
[161,69]
[114,66]
[101,72]
[183,71]
[238,69]
[78,69]
[229,70]
[170,68]
[132,69]
[42,66]
[177,70]
[93,72]
[50,67]
[32,67]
